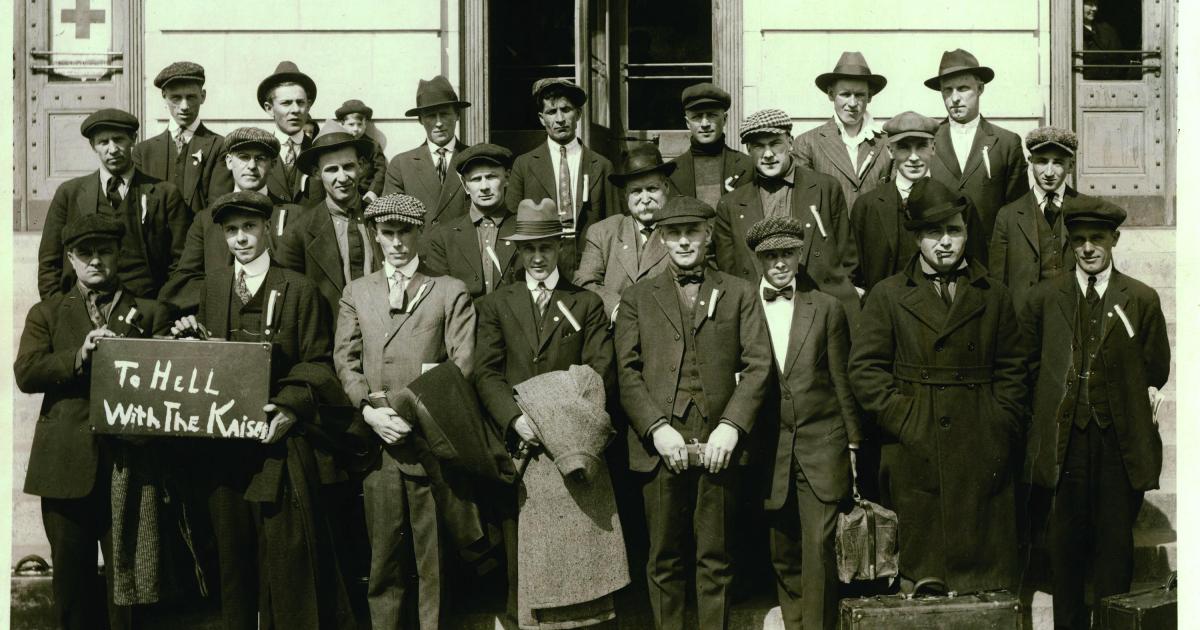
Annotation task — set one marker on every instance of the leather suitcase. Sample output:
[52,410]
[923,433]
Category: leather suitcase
[994,610]
[1148,609]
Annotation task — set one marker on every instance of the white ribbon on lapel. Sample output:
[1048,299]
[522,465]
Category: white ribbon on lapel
[271,310]
[303,182]
[197,156]
[567,313]
[492,254]
[145,212]
[865,164]
[1124,319]
[817,216]
[282,218]
[712,303]
[730,181]
[987,163]
[416,298]
[585,188]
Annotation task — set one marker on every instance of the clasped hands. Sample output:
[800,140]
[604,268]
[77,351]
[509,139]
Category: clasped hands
[387,424]
[715,456]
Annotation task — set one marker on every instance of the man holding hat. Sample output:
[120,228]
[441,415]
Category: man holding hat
[355,116]
[564,171]
[849,147]
[393,325]
[978,159]
[287,95]
[693,357]
[186,153]
[473,247]
[1029,242]
[783,187]
[709,168]
[624,248]
[1098,344]
[153,214]
[938,362]
[69,466]
[424,172]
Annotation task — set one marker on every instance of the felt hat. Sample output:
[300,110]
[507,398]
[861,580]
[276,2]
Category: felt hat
[536,220]
[331,137]
[955,62]
[353,106]
[287,72]
[639,160]
[930,202]
[435,92]
[852,65]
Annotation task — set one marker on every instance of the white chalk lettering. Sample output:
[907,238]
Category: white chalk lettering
[121,413]
[208,386]
[192,383]
[161,374]
[178,384]
[124,367]
[172,410]
[215,413]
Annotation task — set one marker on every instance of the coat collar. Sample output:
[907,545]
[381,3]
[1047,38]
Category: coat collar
[219,289]
[985,136]
[923,302]
[466,242]
[803,314]
[637,266]
[829,139]
[589,163]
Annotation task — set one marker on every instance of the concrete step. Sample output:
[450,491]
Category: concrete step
[1155,554]
[1147,239]
[1153,268]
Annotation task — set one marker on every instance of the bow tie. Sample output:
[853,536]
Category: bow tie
[771,295]
[693,276]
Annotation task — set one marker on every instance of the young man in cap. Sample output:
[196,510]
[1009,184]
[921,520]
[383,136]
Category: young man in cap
[288,95]
[693,357]
[782,187]
[808,427]
[938,362]
[1098,344]
[186,153]
[474,247]
[1029,242]
[274,547]
[424,172]
[624,248]
[69,466]
[154,215]
[529,328]
[978,159]
[849,147]
[709,168]
[355,116]
[564,171]
[392,325]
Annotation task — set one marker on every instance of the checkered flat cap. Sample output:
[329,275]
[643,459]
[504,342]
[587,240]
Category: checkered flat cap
[396,207]
[180,71]
[775,233]
[765,121]
[244,136]
[1045,137]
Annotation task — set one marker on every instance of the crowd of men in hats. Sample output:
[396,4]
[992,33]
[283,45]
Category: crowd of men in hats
[915,303]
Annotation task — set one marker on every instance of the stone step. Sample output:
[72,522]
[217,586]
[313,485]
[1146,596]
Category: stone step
[1147,239]
[1154,554]
[1154,269]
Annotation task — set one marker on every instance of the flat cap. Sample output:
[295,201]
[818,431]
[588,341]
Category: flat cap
[681,209]
[180,71]
[909,125]
[109,119]
[353,106]
[765,121]
[92,226]
[241,201]
[492,153]
[396,207]
[1088,209]
[252,136]
[775,233]
[930,203]
[1047,137]
[574,93]
[704,95]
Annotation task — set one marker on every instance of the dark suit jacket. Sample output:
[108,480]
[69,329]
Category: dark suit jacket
[413,173]
[452,249]
[813,416]
[1014,254]
[65,452]
[1007,181]
[735,164]
[296,187]
[650,346]
[611,263]
[830,258]
[821,149]
[161,232]
[151,156]
[509,348]
[1129,364]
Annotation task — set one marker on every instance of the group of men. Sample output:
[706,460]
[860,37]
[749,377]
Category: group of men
[912,299]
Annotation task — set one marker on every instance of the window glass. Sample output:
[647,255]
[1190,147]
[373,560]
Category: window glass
[1110,26]
[670,48]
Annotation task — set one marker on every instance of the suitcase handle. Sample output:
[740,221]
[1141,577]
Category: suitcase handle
[1170,583]
[928,582]
[32,564]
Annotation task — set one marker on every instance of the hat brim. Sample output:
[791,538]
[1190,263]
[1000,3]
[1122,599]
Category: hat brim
[310,87]
[395,218]
[341,114]
[778,242]
[679,220]
[984,73]
[100,126]
[270,150]
[307,160]
[461,167]
[1091,218]
[769,131]
[1051,143]
[620,179]
[520,238]
[580,96]
[176,79]
[936,215]
[706,102]
[219,213]
[892,139]
[417,111]
[875,82]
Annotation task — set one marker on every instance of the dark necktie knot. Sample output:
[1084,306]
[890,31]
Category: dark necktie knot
[1092,295]
[689,276]
[770,294]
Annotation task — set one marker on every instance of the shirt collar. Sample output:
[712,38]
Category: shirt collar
[433,147]
[904,184]
[1040,194]
[928,269]
[763,283]
[126,177]
[869,129]
[337,210]
[297,137]
[957,127]
[573,147]
[262,191]
[1102,279]
[477,215]
[254,268]
[551,281]
[407,270]
[85,290]
[173,127]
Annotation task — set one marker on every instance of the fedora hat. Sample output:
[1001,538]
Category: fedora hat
[852,65]
[930,202]
[641,159]
[331,137]
[536,220]
[435,93]
[287,72]
[957,61]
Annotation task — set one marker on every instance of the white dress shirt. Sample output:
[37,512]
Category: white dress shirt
[283,138]
[779,320]
[126,179]
[256,271]
[962,137]
[551,282]
[1040,196]
[188,132]
[406,270]
[574,155]
[866,131]
[905,185]
[1081,277]
[433,149]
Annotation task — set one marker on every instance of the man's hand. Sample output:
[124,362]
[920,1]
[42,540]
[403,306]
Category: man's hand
[719,449]
[671,447]
[388,424]
[281,423]
[524,429]
[188,327]
[89,343]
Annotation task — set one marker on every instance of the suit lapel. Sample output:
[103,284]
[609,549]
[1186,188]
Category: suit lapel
[627,250]
[116,317]
[921,300]
[543,169]
[667,297]
[554,316]
[137,199]
[968,302]
[90,191]
[378,301]
[945,150]
[711,292]
[729,169]
[654,251]
[520,305]
[446,189]
[73,315]
[684,176]
[1068,301]
[273,282]
[804,213]
[984,137]
[415,293]
[467,244]
[589,164]
[889,197]
[506,250]
[1028,214]
[831,143]
[218,285]
[1115,298]
[323,247]
[158,152]
[803,314]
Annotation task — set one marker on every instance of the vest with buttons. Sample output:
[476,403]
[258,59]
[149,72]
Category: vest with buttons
[690,388]
[1055,256]
[1092,398]
[245,321]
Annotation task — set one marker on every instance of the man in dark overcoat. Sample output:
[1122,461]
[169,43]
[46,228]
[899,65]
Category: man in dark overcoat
[1098,347]
[937,360]
[709,168]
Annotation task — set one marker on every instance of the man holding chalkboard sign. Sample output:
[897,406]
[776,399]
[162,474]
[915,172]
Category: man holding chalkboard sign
[69,467]
[264,498]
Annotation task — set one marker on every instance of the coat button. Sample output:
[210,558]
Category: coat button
[672,368]
[924,376]
[971,347]
[941,388]
[668,399]
[937,347]
[944,421]
[677,337]
[958,377]
[537,359]
[817,254]
[787,396]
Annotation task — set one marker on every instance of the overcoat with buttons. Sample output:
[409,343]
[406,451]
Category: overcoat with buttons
[947,391]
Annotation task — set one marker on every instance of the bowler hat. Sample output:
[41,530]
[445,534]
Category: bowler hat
[484,152]
[331,137]
[778,232]
[110,118]
[287,72]
[536,220]
[1047,137]
[641,159]
[852,65]
[92,226]
[574,93]
[435,92]
[353,106]
[909,125]
[1088,209]
[955,62]
[681,209]
[241,201]
[180,71]
[704,94]
[930,202]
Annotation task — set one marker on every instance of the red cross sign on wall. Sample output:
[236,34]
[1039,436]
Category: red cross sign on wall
[83,16]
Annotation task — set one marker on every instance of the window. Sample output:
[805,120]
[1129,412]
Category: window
[669,48]
[1109,26]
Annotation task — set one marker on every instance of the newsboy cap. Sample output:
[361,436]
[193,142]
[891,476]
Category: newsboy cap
[353,106]
[1088,209]
[92,226]
[482,152]
[1047,137]
[930,202]
[765,121]
[241,201]
[252,136]
[704,95]
[775,233]
[681,209]
[110,118]
[909,125]
[573,92]
[180,71]
[396,208]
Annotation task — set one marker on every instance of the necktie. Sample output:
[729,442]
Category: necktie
[542,298]
[566,207]
[487,238]
[689,276]
[396,294]
[289,156]
[243,291]
[943,283]
[1092,296]
[356,253]
[1051,209]
[770,294]
[179,141]
[113,191]
[96,301]
[441,164]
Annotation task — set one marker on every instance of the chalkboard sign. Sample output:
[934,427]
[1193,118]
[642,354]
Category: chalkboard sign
[167,387]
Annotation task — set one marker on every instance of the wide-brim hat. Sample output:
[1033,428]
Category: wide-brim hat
[331,137]
[640,160]
[852,65]
[930,202]
[435,92]
[956,62]
[536,220]
[577,95]
[287,72]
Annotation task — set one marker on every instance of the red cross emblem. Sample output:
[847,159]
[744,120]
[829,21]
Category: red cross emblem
[83,16]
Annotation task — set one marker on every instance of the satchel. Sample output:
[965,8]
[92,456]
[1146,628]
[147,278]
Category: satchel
[866,542]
